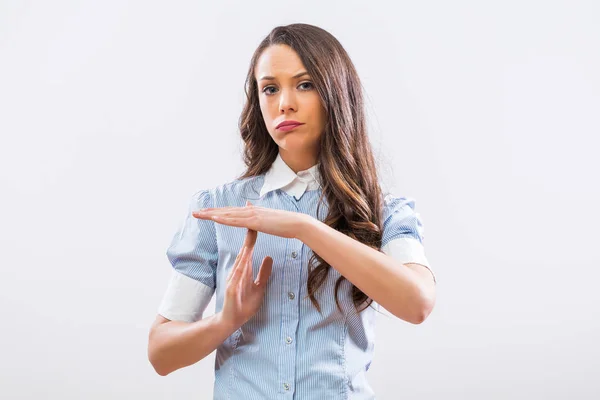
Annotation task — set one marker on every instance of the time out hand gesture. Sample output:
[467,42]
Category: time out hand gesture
[287,224]
[243,294]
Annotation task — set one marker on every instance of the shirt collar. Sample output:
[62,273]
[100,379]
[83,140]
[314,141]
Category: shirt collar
[281,176]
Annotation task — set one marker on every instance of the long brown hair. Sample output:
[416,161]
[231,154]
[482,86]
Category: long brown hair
[347,167]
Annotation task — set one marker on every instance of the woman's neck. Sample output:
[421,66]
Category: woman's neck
[298,161]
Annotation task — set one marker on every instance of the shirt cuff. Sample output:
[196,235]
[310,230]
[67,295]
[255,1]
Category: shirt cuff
[185,298]
[408,250]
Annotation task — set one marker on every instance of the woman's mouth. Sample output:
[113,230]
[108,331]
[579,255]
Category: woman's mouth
[286,128]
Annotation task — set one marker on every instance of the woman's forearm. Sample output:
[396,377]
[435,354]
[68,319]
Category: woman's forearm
[176,344]
[397,288]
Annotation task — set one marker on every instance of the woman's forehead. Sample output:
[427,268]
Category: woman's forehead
[280,62]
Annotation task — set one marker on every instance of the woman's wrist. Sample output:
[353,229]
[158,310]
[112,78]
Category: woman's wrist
[226,323]
[307,223]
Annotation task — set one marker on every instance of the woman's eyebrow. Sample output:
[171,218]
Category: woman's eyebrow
[293,77]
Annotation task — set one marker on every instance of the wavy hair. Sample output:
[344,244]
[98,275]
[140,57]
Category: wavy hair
[346,164]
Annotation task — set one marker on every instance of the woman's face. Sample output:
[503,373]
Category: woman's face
[286,95]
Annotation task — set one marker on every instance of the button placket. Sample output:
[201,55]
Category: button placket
[290,318]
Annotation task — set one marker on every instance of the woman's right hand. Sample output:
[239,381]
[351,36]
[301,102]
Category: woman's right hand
[243,294]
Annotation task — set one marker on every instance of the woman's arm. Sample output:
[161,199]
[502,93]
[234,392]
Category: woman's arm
[405,290]
[176,344]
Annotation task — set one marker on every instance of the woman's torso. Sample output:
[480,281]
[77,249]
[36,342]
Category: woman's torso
[288,349]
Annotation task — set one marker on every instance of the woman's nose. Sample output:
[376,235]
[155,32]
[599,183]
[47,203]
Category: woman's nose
[287,101]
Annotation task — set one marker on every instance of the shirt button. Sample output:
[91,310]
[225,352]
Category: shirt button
[288,340]
[286,386]
[291,295]
[294,254]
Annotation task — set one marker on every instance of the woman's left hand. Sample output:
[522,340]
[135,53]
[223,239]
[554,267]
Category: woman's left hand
[282,223]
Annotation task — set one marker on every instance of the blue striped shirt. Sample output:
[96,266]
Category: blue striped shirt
[287,350]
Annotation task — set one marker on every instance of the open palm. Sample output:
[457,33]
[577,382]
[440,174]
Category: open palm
[244,295]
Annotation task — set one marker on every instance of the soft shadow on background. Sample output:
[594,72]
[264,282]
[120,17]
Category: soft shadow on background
[112,114]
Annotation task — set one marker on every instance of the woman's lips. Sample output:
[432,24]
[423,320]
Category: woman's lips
[287,128]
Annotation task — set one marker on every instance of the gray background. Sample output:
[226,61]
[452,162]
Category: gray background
[112,114]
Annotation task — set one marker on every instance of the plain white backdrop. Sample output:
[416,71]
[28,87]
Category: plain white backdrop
[113,113]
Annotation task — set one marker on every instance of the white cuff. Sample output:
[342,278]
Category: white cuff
[407,250]
[185,298]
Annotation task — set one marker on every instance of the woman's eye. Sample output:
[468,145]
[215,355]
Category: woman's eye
[268,93]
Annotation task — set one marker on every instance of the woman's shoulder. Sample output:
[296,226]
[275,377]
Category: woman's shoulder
[246,188]
[394,202]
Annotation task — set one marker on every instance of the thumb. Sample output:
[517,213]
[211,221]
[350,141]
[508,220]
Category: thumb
[248,203]
[264,272]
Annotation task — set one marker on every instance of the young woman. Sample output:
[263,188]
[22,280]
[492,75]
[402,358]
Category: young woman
[301,249]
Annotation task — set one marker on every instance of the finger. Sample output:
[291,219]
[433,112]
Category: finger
[250,240]
[236,275]
[264,272]
[243,277]
[229,212]
[249,248]
[236,263]
[223,213]
[248,271]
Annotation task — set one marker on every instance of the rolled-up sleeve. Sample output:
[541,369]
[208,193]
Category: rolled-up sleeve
[193,254]
[403,232]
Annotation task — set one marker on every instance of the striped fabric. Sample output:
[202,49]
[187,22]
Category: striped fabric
[287,350]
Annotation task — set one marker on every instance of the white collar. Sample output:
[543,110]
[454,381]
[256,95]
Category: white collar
[281,176]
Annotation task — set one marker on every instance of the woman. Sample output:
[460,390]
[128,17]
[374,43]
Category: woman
[295,304]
